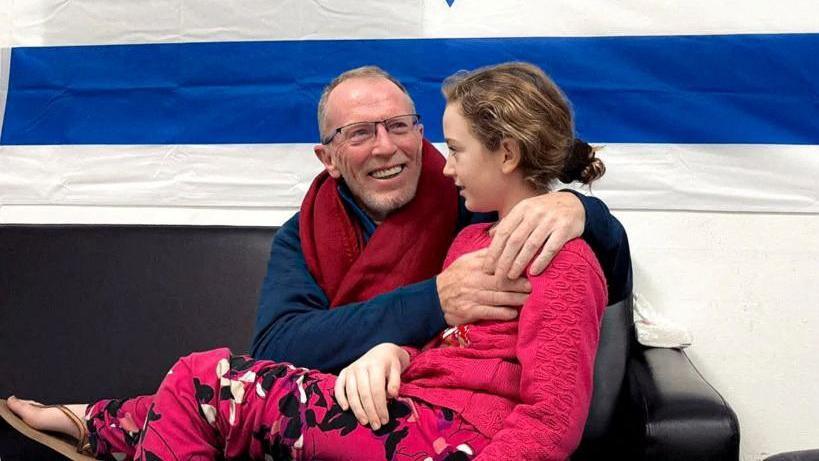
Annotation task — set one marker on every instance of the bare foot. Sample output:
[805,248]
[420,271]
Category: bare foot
[45,418]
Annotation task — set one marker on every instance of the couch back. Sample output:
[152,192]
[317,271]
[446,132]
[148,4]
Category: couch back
[131,299]
[103,311]
[604,431]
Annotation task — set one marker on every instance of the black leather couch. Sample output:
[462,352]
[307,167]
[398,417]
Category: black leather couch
[101,311]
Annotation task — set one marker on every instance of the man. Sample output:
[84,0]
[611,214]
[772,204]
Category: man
[357,265]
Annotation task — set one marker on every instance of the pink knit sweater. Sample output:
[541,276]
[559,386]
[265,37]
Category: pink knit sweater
[527,383]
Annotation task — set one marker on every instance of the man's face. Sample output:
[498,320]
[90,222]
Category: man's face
[382,173]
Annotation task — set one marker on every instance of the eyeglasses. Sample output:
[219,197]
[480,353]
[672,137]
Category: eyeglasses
[360,132]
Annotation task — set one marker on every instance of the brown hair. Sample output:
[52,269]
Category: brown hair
[519,101]
[358,72]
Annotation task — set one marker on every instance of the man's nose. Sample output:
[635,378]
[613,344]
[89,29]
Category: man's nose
[383,141]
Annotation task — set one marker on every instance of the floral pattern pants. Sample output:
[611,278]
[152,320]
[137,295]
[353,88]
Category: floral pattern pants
[215,405]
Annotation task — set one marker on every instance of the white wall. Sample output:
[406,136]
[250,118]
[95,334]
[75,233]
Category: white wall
[747,286]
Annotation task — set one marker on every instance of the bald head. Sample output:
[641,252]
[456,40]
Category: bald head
[367,73]
[364,100]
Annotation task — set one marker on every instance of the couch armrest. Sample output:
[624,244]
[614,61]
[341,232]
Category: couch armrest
[682,416]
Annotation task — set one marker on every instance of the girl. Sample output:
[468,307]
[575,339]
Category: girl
[515,389]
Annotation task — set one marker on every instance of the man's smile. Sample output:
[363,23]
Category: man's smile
[388,172]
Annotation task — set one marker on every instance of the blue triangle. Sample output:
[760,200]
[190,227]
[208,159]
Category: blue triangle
[450,2]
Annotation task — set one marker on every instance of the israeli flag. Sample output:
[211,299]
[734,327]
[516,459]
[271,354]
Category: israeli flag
[173,111]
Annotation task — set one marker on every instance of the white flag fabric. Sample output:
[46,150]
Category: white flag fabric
[172,111]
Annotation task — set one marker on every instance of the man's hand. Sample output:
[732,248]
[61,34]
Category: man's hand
[365,385]
[469,294]
[547,221]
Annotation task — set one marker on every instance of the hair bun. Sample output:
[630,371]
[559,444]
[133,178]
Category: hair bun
[582,164]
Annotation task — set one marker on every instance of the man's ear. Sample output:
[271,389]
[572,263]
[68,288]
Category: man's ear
[324,156]
[510,155]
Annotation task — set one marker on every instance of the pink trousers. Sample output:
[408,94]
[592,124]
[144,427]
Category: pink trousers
[215,405]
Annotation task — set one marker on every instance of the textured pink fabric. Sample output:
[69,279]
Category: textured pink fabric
[527,383]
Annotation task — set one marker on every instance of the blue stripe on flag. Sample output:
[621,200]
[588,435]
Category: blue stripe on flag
[658,89]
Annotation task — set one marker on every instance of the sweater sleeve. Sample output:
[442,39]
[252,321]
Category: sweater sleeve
[294,322]
[607,237]
[557,340]
[602,231]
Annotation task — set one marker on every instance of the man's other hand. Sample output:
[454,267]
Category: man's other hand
[365,385]
[547,221]
[469,294]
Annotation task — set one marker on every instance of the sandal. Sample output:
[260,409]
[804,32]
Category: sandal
[80,451]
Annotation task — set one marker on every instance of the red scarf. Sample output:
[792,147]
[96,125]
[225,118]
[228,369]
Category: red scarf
[409,246]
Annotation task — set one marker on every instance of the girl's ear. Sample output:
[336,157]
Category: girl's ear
[510,155]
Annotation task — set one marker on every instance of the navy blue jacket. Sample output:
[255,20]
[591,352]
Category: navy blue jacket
[294,315]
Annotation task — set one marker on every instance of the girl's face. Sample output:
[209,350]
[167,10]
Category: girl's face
[475,170]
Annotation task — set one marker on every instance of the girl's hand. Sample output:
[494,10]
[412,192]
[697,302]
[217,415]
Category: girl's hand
[365,385]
